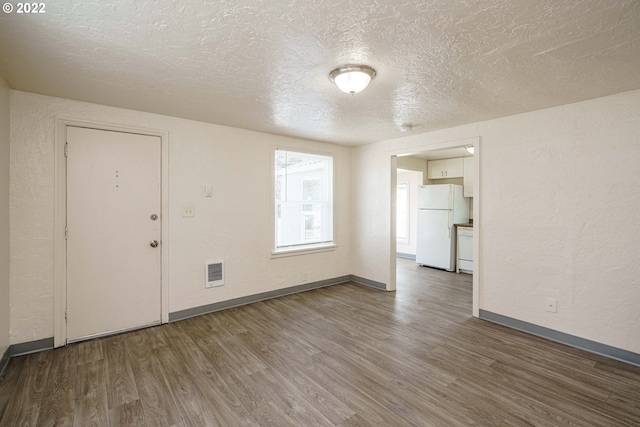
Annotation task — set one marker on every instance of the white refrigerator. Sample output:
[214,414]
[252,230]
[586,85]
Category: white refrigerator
[439,207]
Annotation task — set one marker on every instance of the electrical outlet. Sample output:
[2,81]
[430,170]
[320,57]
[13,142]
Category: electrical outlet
[550,305]
[188,211]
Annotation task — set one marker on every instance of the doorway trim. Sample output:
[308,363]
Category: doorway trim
[477,232]
[60,217]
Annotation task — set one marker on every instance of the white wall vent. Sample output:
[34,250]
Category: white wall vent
[214,274]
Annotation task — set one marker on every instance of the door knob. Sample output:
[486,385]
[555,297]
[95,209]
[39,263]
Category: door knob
[154,243]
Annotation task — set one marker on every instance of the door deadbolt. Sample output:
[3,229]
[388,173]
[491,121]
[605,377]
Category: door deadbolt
[154,217]
[154,243]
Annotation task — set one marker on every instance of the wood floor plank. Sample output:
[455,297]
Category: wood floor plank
[89,351]
[26,403]
[284,361]
[63,370]
[155,397]
[344,355]
[9,386]
[290,402]
[355,421]
[270,415]
[243,354]
[128,414]
[59,396]
[58,409]
[184,347]
[122,386]
[220,405]
[156,336]
[185,394]
[362,402]
[91,405]
[235,378]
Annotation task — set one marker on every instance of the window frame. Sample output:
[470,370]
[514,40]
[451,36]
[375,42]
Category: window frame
[276,252]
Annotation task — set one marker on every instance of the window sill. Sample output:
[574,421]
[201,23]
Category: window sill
[311,249]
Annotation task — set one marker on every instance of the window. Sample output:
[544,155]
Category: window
[303,208]
[402,213]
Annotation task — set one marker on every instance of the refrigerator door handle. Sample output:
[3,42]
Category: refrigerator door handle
[450,216]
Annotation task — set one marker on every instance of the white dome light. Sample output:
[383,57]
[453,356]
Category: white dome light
[352,78]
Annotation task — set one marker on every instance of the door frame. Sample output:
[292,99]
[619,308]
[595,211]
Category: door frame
[60,217]
[477,266]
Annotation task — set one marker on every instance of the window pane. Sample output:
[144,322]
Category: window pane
[303,198]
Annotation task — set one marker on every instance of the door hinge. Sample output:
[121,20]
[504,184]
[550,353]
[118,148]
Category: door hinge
[66,315]
[66,233]
[66,149]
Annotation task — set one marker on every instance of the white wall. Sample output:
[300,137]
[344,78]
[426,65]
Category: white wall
[371,209]
[560,196]
[414,164]
[414,180]
[234,225]
[4,216]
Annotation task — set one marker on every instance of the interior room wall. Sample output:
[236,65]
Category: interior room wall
[560,192]
[4,217]
[371,213]
[413,163]
[414,180]
[233,225]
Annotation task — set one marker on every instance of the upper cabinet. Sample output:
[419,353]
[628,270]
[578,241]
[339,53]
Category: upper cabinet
[467,179]
[446,168]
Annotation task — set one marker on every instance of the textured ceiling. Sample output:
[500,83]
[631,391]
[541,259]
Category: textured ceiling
[264,64]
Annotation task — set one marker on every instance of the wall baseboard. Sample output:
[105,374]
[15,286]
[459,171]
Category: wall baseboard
[4,361]
[563,338]
[236,302]
[250,299]
[31,347]
[403,255]
[367,282]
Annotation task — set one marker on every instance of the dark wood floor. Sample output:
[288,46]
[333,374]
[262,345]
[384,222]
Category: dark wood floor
[346,355]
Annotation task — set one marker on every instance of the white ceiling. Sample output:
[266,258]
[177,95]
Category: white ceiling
[264,65]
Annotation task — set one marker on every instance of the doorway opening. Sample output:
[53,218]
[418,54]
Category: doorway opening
[432,165]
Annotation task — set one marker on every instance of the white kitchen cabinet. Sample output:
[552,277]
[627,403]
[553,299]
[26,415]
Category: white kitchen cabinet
[464,250]
[445,168]
[467,178]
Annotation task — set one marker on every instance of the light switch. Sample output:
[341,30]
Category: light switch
[208,191]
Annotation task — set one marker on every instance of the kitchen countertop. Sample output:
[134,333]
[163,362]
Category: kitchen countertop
[467,224]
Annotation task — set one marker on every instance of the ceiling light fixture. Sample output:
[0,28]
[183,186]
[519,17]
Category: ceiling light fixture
[352,78]
[469,148]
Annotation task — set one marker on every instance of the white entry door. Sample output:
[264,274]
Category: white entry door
[114,232]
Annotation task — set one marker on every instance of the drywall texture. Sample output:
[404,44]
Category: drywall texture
[233,225]
[4,216]
[265,64]
[371,209]
[414,164]
[560,194]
